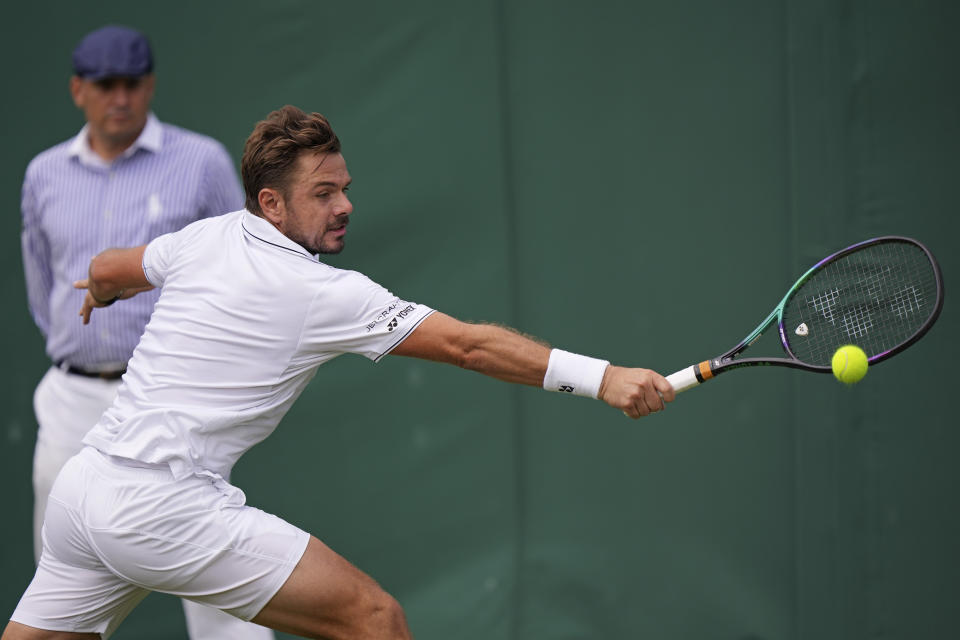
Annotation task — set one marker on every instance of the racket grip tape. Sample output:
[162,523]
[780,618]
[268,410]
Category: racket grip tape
[690,376]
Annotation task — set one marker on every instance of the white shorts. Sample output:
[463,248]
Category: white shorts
[114,532]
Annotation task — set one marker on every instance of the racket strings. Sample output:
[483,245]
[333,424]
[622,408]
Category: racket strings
[876,297]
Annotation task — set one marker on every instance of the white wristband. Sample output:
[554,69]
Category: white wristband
[573,373]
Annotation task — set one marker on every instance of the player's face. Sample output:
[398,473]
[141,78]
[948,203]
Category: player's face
[316,209]
[115,108]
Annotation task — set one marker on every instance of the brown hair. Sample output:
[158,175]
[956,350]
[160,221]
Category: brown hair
[271,151]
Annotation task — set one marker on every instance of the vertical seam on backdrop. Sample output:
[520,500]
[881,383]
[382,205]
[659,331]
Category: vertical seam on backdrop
[866,202]
[790,135]
[512,253]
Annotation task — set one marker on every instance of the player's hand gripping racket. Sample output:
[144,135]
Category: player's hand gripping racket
[881,295]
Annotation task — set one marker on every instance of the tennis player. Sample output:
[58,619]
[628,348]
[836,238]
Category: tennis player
[246,314]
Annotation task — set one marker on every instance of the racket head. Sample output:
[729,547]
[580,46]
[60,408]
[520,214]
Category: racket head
[882,295]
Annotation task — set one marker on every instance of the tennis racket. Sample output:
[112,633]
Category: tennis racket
[882,295]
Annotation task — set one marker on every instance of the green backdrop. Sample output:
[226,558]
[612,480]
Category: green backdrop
[634,180]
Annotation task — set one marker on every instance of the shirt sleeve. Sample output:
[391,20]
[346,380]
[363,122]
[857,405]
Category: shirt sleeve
[158,257]
[353,314]
[36,257]
[220,187]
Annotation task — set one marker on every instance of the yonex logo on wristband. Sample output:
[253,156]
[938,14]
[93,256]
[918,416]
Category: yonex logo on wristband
[574,374]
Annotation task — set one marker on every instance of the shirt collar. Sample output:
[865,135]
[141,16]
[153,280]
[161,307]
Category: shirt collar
[150,139]
[262,230]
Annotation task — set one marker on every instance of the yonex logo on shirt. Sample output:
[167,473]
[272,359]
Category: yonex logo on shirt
[400,316]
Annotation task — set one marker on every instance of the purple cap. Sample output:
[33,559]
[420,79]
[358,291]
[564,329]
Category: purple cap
[112,51]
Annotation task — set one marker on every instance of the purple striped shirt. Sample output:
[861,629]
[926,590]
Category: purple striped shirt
[75,205]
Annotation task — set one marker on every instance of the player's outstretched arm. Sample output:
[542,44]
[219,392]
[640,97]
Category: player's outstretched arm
[507,355]
[114,274]
[489,349]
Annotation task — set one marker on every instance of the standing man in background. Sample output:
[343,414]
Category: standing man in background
[123,180]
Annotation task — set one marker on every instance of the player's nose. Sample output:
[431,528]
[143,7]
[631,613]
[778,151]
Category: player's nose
[346,207]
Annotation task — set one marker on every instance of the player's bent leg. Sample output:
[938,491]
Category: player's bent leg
[327,597]
[17,631]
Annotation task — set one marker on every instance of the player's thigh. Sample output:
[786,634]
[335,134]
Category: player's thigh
[48,460]
[17,631]
[327,597]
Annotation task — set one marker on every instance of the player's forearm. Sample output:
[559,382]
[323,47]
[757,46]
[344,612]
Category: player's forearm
[488,349]
[113,271]
[510,356]
[507,355]
[504,354]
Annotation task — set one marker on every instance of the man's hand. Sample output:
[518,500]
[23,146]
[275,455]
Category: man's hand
[90,303]
[636,392]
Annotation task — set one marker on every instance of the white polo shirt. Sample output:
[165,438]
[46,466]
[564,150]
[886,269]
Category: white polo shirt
[244,319]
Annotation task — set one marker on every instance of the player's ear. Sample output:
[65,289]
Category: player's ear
[271,204]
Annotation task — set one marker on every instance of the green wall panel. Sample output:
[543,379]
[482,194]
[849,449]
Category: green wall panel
[639,181]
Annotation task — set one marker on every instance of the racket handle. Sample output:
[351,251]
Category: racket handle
[683,379]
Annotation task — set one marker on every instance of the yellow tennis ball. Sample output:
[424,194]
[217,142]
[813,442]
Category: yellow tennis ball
[849,364]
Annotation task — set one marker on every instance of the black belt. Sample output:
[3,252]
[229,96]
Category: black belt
[116,374]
